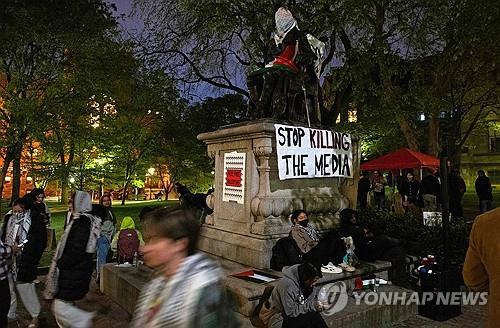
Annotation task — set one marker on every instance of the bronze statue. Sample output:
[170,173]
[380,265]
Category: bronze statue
[287,87]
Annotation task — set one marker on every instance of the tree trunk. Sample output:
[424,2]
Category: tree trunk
[126,181]
[16,177]
[433,139]
[409,133]
[64,185]
[5,168]
[124,192]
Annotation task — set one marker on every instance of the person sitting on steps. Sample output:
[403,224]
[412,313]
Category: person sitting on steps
[314,248]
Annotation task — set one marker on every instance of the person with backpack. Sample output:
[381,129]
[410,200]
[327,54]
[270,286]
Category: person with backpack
[126,241]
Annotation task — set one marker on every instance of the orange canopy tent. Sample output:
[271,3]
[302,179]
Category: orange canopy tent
[403,158]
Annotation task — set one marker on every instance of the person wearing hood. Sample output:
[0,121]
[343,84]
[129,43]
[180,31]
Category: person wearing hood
[295,298]
[126,241]
[24,226]
[72,266]
[187,290]
[371,247]
[315,249]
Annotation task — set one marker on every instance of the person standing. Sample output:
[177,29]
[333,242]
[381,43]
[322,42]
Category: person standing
[457,190]
[483,191]
[431,189]
[363,189]
[109,227]
[378,187]
[72,266]
[411,193]
[104,240]
[481,267]
[107,202]
[188,289]
[24,226]
[42,208]
[6,252]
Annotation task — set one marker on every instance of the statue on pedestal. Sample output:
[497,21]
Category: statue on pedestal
[287,87]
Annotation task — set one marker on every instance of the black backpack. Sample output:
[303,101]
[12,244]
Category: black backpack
[285,253]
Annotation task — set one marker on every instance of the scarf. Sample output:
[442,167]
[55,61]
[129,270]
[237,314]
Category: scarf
[311,232]
[173,302]
[17,232]
[81,206]
[284,23]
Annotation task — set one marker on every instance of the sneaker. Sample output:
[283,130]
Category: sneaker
[347,267]
[330,268]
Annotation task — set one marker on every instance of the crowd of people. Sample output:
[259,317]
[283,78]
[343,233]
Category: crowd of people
[424,195]
[186,289]
[183,277]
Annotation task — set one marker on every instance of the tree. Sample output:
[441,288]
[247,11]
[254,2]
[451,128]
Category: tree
[388,59]
[36,38]
[136,129]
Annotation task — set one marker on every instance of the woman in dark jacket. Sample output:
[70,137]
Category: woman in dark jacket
[71,269]
[26,227]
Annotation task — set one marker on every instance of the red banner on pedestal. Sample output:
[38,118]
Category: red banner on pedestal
[233,178]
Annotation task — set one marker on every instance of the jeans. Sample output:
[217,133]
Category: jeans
[379,198]
[484,205]
[102,252]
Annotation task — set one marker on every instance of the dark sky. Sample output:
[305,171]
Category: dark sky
[128,23]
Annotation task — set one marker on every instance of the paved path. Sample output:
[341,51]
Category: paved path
[109,313]
[471,317]
[112,315]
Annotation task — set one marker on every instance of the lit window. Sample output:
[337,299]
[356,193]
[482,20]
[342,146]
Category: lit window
[352,116]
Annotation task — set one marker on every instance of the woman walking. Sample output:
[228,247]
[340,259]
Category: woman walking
[26,228]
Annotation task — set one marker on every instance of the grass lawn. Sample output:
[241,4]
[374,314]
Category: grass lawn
[132,208]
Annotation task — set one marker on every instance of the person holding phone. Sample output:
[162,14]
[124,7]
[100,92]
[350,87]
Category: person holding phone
[26,229]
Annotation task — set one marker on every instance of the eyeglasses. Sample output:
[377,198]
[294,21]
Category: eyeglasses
[18,211]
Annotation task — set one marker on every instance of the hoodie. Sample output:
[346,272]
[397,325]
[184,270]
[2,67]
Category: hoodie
[288,297]
[127,223]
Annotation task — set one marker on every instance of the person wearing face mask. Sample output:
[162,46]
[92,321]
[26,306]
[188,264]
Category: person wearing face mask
[23,226]
[315,249]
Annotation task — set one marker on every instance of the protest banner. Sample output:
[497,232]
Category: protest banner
[312,153]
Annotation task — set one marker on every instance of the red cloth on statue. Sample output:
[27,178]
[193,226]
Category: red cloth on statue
[286,58]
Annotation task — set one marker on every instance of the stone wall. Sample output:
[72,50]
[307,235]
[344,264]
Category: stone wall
[246,232]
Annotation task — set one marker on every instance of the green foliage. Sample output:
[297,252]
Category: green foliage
[418,239]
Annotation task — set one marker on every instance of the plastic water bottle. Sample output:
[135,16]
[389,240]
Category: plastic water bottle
[323,295]
[376,285]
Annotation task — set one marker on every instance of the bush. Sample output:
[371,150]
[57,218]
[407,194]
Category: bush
[416,238]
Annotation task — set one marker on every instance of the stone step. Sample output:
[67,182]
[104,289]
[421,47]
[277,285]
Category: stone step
[358,314]
[123,286]
[247,294]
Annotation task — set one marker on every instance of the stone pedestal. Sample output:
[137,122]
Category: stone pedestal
[246,232]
